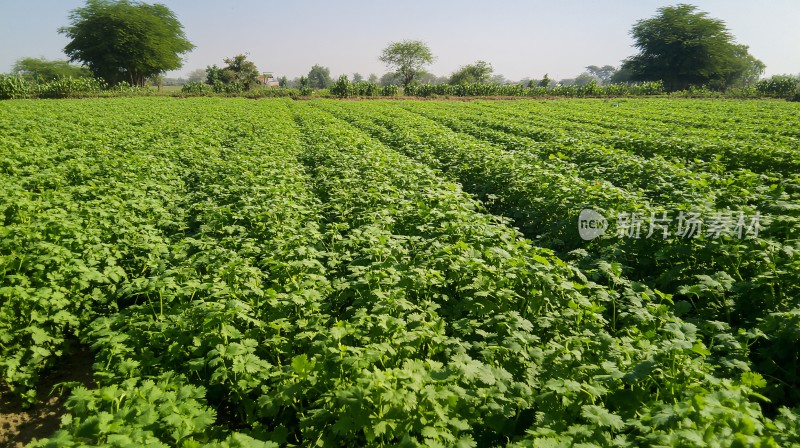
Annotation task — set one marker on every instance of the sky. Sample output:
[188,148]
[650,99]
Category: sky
[521,39]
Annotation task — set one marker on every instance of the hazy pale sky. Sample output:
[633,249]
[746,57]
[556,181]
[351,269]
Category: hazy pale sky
[519,38]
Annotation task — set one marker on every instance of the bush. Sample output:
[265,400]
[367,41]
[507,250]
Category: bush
[779,86]
[271,92]
[232,90]
[197,88]
[696,92]
[69,87]
[229,87]
[741,92]
[343,88]
[390,90]
[364,88]
[13,87]
[645,88]
[126,88]
[573,91]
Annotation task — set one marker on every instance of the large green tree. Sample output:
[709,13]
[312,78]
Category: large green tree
[682,46]
[238,73]
[319,77]
[126,40]
[43,70]
[408,58]
[480,72]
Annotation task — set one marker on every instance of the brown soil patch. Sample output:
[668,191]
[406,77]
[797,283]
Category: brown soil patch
[19,426]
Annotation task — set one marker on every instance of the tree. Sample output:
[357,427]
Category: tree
[238,72]
[684,47]
[623,75]
[373,78]
[42,70]
[357,77]
[546,81]
[744,69]
[157,80]
[430,78]
[197,75]
[584,79]
[125,40]
[389,79]
[408,58]
[603,73]
[479,72]
[499,79]
[283,82]
[217,75]
[319,77]
[242,71]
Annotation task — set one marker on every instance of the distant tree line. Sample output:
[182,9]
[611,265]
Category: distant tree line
[128,42]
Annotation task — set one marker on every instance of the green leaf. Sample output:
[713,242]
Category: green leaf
[602,417]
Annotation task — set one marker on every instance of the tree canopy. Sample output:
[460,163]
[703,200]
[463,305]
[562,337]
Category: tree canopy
[197,75]
[390,78]
[682,46]
[125,40]
[238,71]
[408,58]
[480,72]
[585,79]
[603,73]
[42,70]
[319,77]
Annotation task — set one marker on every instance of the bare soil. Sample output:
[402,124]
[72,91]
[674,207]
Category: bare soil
[20,426]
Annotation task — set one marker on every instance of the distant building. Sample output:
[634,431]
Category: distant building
[268,79]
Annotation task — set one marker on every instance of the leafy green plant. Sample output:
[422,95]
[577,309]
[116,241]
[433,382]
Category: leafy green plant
[13,87]
[389,90]
[67,87]
[196,88]
[780,86]
[385,273]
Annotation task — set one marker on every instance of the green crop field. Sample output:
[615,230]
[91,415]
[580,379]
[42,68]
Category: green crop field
[405,273]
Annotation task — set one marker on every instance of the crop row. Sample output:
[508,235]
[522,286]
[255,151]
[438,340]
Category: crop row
[737,281]
[573,91]
[78,222]
[300,273]
[758,152]
[659,177]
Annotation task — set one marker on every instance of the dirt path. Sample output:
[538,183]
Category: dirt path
[20,426]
